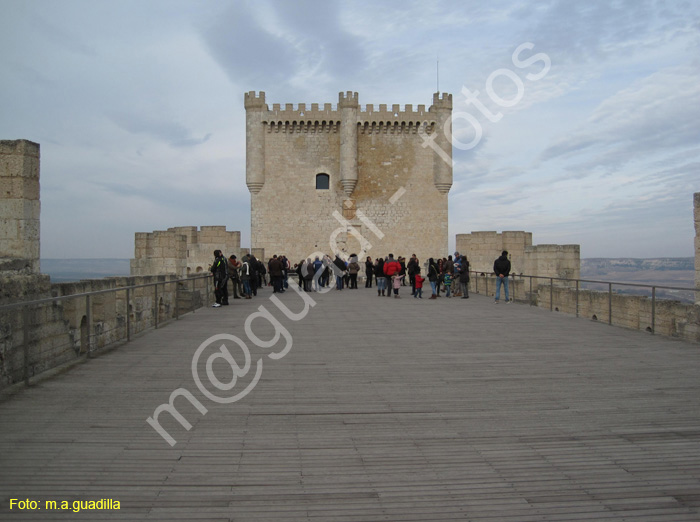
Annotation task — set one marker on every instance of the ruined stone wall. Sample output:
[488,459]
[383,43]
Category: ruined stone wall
[483,248]
[58,331]
[159,252]
[559,261]
[387,193]
[182,250]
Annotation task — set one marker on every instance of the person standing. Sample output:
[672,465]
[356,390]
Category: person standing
[501,267]
[418,282]
[448,283]
[353,270]
[340,268]
[369,272]
[464,277]
[219,270]
[396,283]
[233,266]
[245,276]
[253,270]
[275,268]
[456,272]
[379,274]
[433,274]
[391,267]
[413,267]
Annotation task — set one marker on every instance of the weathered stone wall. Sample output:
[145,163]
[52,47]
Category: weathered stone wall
[696,212]
[672,318]
[387,193]
[182,250]
[483,248]
[58,331]
[20,209]
[559,261]
[159,252]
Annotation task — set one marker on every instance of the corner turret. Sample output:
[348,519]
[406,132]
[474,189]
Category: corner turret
[349,106]
[255,108]
[442,107]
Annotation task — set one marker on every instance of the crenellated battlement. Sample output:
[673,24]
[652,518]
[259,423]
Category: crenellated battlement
[442,100]
[253,101]
[316,117]
[348,100]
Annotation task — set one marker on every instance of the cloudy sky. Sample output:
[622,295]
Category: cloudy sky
[585,128]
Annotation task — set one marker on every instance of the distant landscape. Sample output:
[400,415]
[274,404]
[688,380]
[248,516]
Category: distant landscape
[68,270]
[669,271]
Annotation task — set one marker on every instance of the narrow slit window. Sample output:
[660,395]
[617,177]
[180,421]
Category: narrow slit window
[322,181]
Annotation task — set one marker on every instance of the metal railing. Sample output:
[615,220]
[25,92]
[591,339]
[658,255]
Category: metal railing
[575,285]
[21,312]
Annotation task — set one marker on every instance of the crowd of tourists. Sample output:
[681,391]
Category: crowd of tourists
[447,276]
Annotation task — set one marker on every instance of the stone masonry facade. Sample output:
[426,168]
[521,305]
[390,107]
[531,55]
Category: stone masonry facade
[387,189]
[21,208]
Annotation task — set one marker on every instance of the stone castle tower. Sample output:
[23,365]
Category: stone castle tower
[348,179]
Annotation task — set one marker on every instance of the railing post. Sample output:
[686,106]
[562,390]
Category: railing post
[88,320]
[155,305]
[486,281]
[530,277]
[25,342]
[194,288]
[512,298]
[551,294]
[128,314]
[577,311]
[610,303]
[653,309]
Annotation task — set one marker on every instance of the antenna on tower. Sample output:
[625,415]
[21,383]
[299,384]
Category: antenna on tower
[437,73]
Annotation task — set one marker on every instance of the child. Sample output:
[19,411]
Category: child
[419,284]
[448,282]
[396,283]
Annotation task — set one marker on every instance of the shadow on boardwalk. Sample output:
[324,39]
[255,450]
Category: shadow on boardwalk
[383,409]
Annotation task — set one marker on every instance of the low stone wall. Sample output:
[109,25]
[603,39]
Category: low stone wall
[672,318]
[59,331]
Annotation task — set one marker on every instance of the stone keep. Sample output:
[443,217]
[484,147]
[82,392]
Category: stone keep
[386,186]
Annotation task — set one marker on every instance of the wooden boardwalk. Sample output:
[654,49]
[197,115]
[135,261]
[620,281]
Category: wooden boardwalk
[383,409]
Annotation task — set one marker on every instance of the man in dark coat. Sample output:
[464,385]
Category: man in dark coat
[275,267]
[220,272]
[501,267]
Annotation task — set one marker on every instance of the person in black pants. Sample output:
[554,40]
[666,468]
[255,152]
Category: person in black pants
[220,272]
[369,272]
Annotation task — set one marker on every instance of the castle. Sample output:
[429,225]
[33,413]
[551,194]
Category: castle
[349,179]
[69,322]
